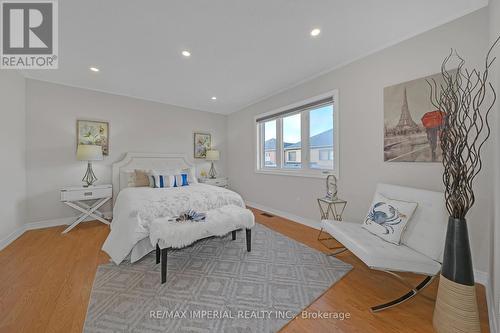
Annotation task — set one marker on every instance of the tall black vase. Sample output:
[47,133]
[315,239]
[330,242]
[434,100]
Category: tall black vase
[457,260]
[456,307]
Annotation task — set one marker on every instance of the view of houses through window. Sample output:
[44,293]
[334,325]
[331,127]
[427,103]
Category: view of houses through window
[270,143]
[321,137]
[286,150]
[292,148]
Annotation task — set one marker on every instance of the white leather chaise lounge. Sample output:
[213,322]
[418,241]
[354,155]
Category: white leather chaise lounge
[422,242]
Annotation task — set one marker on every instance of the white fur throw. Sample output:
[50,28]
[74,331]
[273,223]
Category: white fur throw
[218,222]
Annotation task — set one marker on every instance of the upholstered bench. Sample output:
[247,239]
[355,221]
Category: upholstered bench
[166,233]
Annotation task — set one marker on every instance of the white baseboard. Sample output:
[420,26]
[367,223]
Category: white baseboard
[484,279]
[492,314]
[58,222]
[40,225]
[11,237]
[295,218]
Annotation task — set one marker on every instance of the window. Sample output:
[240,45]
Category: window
[300,139]
[321,137]
[270,144]
[325,154]
[291,140]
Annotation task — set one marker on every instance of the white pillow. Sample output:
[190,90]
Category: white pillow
[387,218]
[191,175]
[127,179]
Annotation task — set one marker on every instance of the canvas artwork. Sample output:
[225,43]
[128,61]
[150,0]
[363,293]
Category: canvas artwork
[412,124]
[93,133]
[202,143]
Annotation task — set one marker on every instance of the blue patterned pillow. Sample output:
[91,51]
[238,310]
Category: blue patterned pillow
[388,218]
[181,180]
[161,181]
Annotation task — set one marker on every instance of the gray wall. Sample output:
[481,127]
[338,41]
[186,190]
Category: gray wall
[360,87]
[12,143]
[135,125]
[494,10]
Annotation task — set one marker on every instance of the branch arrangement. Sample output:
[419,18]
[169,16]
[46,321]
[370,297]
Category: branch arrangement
[466,127]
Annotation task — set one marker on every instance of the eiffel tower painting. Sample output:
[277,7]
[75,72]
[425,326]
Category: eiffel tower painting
[406,124]
[405,137]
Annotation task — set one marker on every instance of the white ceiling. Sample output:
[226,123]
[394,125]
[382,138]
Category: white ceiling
[242,51]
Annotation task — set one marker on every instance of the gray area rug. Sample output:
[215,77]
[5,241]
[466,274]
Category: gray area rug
[215,285]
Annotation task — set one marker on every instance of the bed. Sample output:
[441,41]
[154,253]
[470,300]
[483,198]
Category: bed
[135,208]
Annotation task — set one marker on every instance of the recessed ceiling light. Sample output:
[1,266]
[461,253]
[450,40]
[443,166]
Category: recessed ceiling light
[214,98]
[94,69]
[186,53]
[315,32]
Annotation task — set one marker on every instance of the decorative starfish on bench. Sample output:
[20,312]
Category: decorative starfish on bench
[191,215]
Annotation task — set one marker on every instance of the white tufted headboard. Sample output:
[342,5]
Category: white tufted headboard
[158,161]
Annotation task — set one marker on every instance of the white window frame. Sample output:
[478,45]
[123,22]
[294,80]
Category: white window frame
[305,170]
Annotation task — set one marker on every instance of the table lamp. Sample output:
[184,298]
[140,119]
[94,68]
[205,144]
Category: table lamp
[89,153]
[212,155]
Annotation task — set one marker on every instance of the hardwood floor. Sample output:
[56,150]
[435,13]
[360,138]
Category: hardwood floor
[46,279]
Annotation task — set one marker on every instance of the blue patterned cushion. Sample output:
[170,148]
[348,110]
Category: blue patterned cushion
[181,180]
[388,218]
[161,181]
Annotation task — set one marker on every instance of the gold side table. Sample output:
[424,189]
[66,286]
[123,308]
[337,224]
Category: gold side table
[330,209]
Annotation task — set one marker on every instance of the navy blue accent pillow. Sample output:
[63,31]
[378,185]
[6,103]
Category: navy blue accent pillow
[184,179]
[181,180]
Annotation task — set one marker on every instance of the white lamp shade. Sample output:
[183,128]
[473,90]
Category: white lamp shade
[89,153]
[212,155]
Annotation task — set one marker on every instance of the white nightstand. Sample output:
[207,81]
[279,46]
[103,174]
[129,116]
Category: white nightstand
[221,182]
[74,196]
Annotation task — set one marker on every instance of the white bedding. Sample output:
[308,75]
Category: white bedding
[136,208]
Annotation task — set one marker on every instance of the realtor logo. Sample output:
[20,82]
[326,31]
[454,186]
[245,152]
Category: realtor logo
[28,35]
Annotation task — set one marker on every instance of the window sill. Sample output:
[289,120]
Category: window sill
[297,173]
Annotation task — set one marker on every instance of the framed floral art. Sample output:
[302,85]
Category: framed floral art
[93,133]
[202,143]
